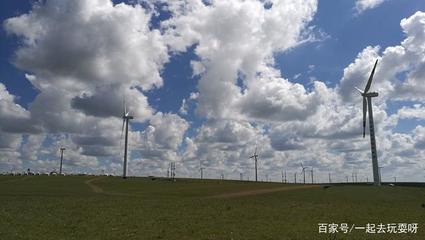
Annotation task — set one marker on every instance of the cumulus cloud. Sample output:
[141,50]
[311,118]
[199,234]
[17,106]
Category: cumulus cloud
[415,112]
[273,98]
[103,44]
[363,5]
[400,69]
[13,117]
[236,40]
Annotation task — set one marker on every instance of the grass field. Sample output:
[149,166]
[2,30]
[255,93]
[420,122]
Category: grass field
[87,207]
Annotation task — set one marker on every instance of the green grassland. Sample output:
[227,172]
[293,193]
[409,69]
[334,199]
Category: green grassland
[87,207]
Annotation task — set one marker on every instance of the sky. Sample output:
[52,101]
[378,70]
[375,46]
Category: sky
[208,82]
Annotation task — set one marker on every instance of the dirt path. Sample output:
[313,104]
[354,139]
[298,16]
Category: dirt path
[96,189]
[261,191]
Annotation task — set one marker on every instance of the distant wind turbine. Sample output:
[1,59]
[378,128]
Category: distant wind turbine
[126,117]
[367,105]
[282,175]
[303,171]
[60,168]
[255,156]
[312,176]
[201,169]
[202,172]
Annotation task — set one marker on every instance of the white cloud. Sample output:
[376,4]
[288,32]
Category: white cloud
[236,39]
[13,117]
[363,5]
[183,108]
[103,44]
[415,112]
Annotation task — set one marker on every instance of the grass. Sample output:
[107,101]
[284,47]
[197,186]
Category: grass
[42,207]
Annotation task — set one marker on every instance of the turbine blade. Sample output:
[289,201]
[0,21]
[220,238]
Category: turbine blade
[255,152]
[369,82]
[122,129]
[364,115]
[361,92]
[125,107]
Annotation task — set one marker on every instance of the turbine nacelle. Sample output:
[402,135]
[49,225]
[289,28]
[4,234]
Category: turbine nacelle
[370,94]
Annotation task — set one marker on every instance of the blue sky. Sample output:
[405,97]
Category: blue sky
[212,123]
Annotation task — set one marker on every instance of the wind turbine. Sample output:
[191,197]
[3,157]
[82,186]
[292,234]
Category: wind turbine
[295,177]
[282,175]
[312,178]
[126,117]
[60,169]
[255,156]
[201,169]
[367,105]
[303,171]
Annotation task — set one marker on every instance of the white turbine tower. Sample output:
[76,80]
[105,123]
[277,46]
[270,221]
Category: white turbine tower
[255,156]
[125,119]
[367,105]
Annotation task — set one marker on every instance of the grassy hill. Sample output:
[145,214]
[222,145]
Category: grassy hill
[87,207]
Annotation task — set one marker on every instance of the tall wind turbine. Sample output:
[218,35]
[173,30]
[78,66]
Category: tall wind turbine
[126,117]
[60,169]
[255,156]
[367,105]
[303,171]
